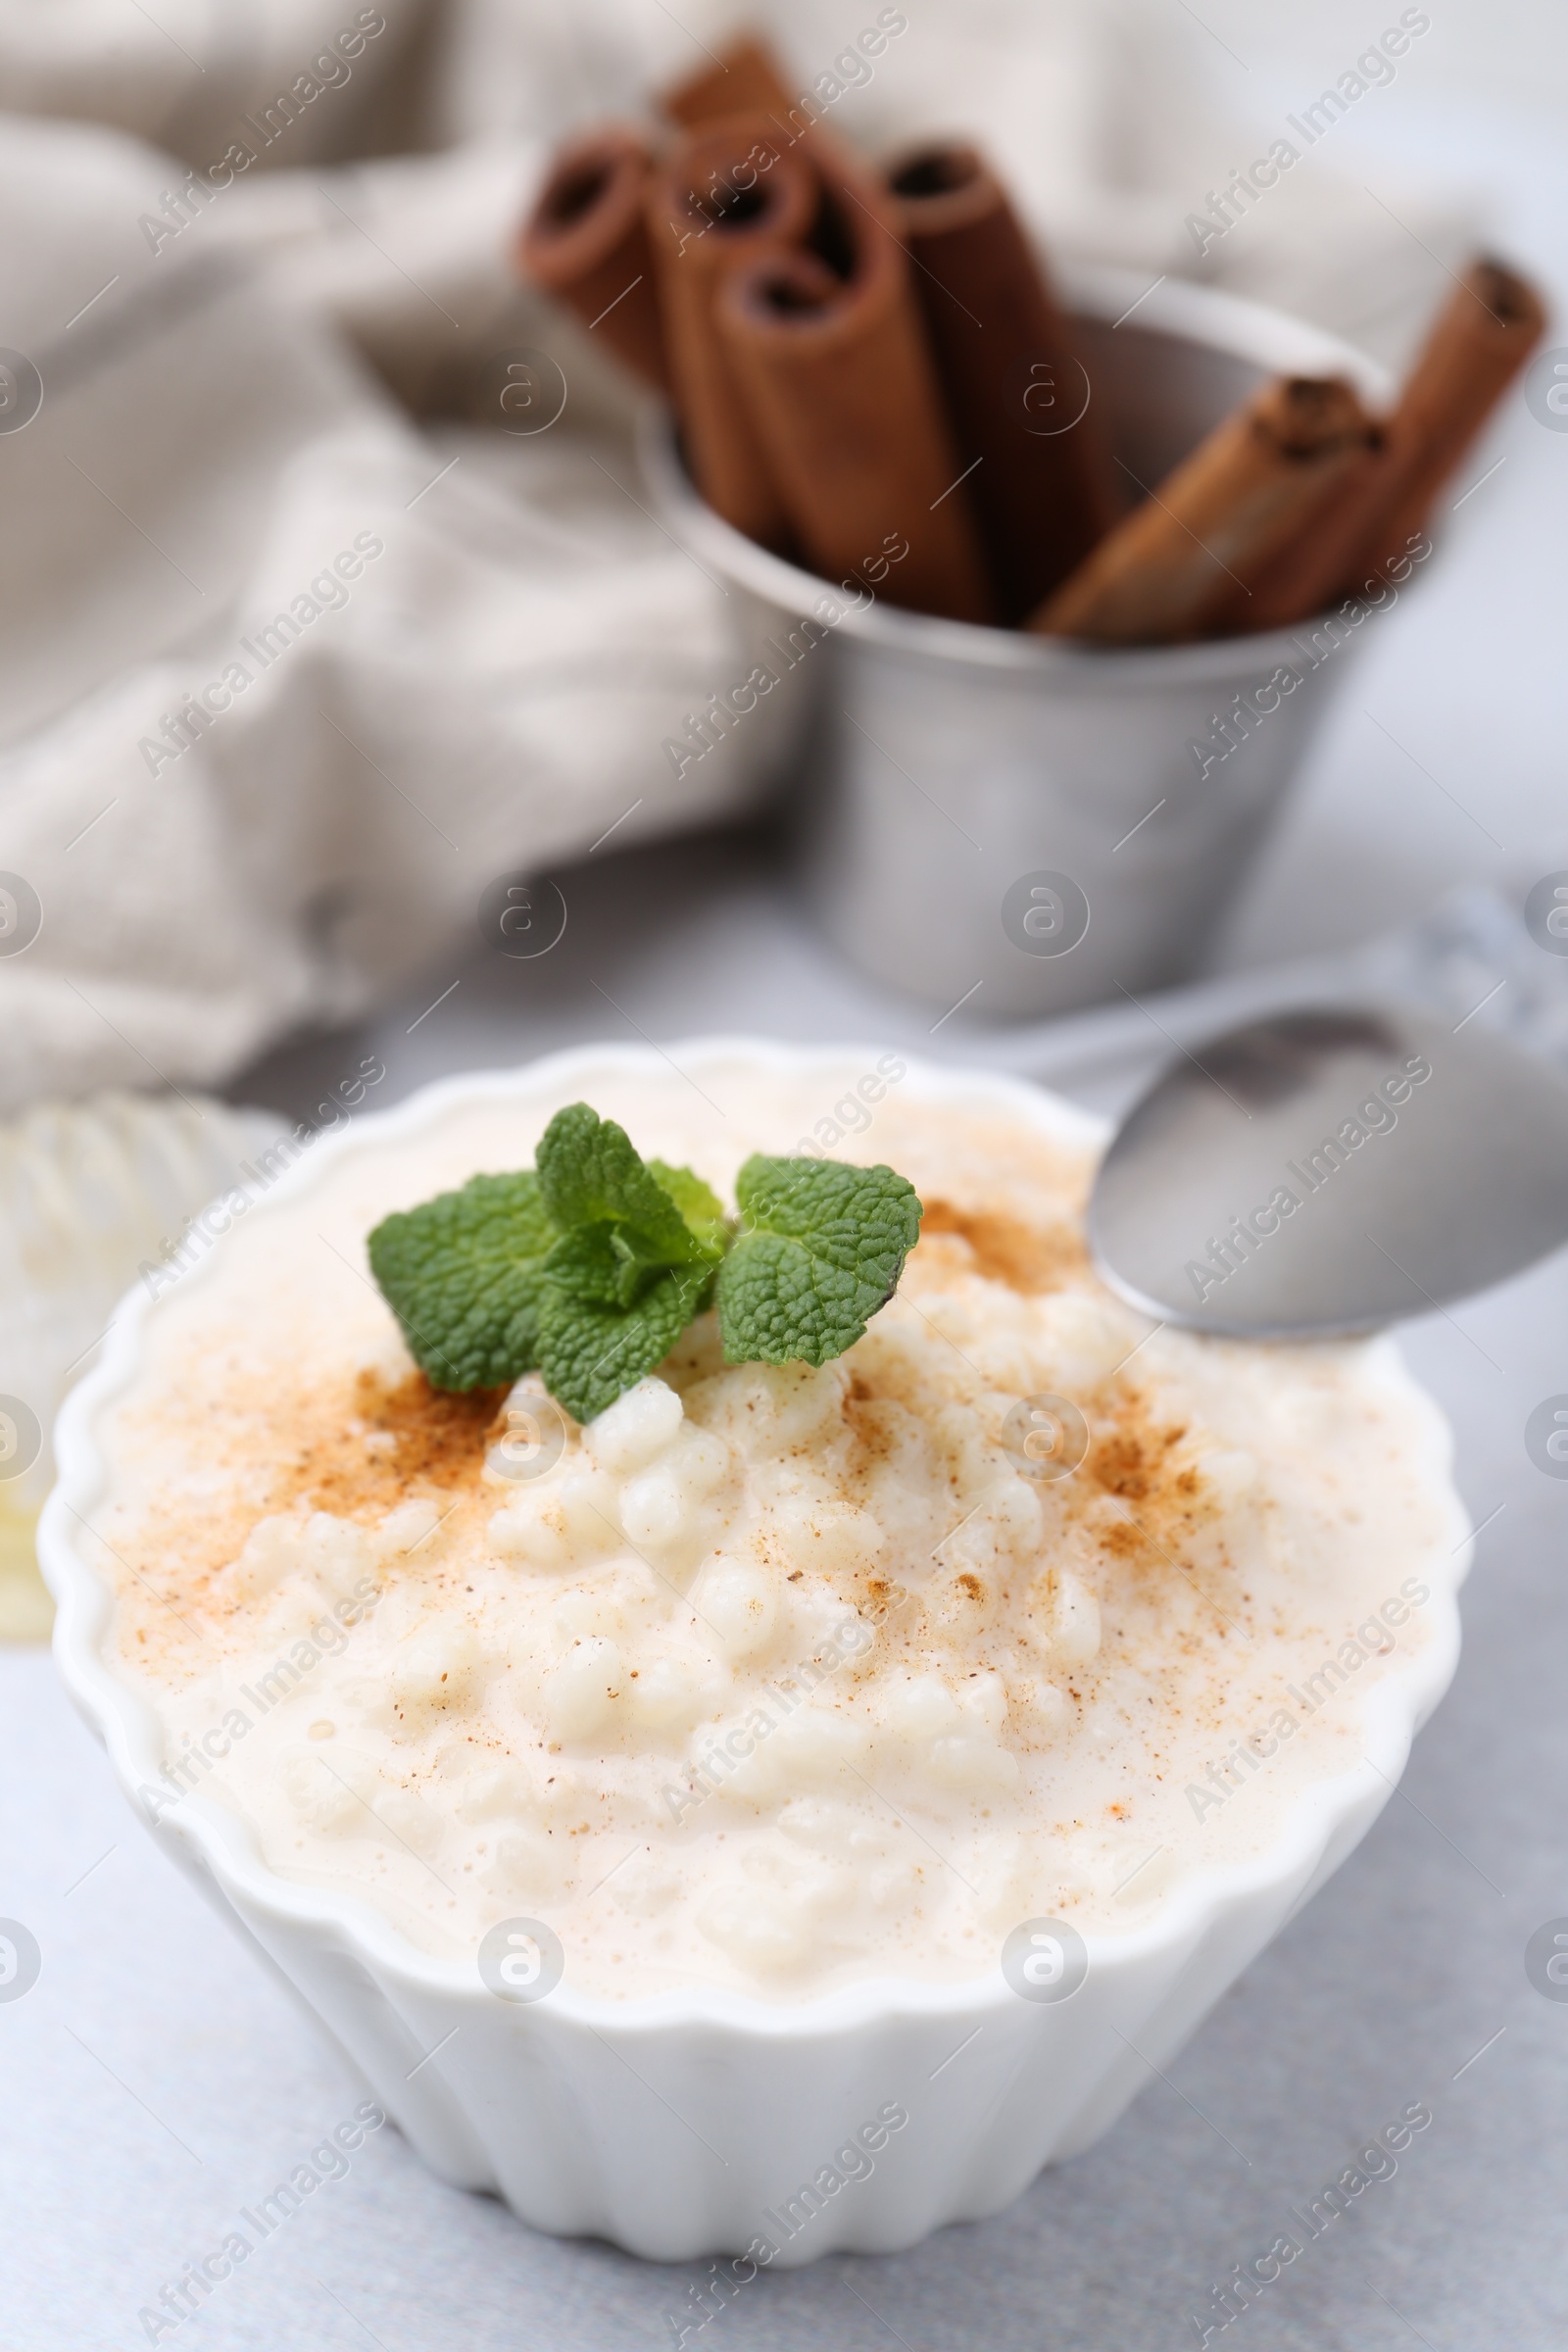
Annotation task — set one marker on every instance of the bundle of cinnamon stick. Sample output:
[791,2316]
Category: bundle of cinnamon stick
[864,356]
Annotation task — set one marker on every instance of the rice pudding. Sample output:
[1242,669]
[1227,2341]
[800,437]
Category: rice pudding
[769,1678]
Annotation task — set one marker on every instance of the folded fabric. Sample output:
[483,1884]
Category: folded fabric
[287,682]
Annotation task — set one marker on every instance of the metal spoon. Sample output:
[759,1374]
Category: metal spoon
[1331,1170]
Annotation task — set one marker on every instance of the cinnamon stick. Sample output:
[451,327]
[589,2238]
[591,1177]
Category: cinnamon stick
[586,242]
[744,79]
[1306,576]
[731,193]
[1479,343]
[1164,574]
[840,382]
[1042,490]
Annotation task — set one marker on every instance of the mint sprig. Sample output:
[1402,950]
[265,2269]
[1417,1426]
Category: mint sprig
[635,1263]
[590,1267]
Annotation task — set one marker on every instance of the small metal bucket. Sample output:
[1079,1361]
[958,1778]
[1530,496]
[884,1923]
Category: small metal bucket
[1018,826]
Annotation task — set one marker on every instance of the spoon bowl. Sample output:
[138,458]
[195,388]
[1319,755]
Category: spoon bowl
[1329,1170]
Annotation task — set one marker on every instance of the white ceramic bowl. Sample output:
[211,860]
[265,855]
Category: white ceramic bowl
[677,2125]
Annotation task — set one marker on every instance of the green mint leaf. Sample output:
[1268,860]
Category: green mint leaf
[635,1261]
[464,1274]
[699,1205]
[590,1352]
[822,1247]
[586,1265]
[590,1173]
[601,1266]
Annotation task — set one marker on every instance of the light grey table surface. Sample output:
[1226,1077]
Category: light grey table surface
[153,2082]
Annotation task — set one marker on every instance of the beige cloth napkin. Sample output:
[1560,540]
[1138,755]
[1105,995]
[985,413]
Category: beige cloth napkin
[248,414]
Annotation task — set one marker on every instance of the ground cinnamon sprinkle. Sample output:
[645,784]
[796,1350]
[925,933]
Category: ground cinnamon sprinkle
[1130,1461]
[439,1440]
[1030,1258]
